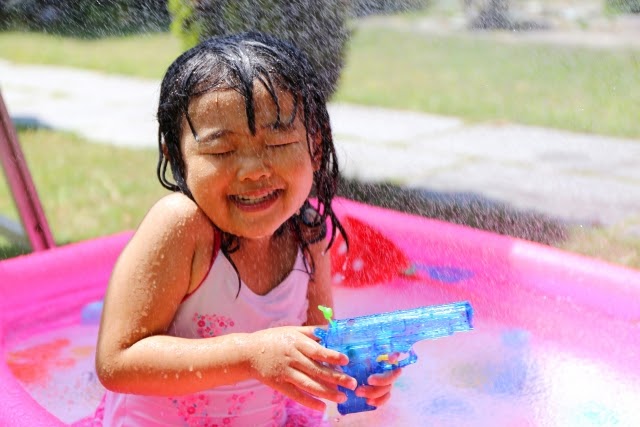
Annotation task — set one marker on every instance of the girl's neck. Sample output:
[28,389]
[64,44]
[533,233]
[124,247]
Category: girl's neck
[264,263]
[258,247]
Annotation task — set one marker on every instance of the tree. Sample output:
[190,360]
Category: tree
[488,14]
[317,27]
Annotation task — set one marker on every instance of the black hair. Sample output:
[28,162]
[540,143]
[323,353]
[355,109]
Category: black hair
[236,62]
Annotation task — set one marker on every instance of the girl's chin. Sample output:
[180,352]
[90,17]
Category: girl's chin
[256,232]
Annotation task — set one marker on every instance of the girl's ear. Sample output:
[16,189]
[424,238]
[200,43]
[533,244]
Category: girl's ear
[165,151]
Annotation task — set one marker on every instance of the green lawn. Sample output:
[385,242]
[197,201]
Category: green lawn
[87,190]
[571,88]
[145,56]
[619,243]
[578,89]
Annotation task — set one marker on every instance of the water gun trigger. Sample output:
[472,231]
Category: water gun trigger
[391,361]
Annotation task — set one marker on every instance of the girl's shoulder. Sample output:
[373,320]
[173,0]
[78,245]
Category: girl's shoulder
[176,223]
[177,213]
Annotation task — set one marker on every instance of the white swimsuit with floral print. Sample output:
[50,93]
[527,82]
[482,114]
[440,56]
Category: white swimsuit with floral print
[216,308]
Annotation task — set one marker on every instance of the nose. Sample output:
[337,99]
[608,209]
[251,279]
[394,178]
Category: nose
[254,167]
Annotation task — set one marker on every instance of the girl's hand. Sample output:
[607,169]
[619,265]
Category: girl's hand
[378,391]
[289,360]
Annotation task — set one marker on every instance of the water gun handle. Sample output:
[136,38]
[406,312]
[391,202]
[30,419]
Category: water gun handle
[361,372]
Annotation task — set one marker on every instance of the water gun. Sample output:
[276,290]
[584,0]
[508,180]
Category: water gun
[374,342]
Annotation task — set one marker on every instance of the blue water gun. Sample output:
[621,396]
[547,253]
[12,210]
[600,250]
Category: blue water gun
[374,342]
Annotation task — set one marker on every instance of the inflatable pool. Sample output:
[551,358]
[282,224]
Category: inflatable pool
[556,339]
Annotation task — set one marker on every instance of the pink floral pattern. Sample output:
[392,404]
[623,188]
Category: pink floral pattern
[212,325]
[237,401]
[278,407]
[298,415]
[193,410]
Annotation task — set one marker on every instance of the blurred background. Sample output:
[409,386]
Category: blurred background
[520,117]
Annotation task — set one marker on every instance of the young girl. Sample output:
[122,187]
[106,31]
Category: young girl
[210,312]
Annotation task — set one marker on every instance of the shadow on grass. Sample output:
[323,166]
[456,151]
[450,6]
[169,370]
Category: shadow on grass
[468,209]
[28,123]
[10,250]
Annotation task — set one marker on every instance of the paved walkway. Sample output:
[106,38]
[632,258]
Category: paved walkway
[622,32]
[575,177]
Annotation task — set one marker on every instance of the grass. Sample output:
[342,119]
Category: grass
[146,56]
[87,190]
[577,89]
[619,244]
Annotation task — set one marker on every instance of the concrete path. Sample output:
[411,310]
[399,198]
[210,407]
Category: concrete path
[575,177]
[623,32]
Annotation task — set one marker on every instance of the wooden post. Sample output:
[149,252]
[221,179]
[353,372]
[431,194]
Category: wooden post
[22,188]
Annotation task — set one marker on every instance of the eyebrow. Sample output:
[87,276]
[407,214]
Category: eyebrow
[213,135]
[282,126]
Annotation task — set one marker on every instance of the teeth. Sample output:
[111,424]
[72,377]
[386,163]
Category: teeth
[254,200]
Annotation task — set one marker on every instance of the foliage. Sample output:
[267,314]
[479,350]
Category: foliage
[85,18]
[490,14]
[624,6]
[317,27]
[4,16]
[183,23]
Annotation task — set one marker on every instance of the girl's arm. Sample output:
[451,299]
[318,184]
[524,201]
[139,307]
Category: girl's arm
[320,291]
[149,281]
[155,271]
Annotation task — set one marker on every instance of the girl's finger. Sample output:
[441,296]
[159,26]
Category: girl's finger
[315,351]
[315,388]
[310,331]
[379,401]
[386,378]
[301,397]
[372,392]
[325,374]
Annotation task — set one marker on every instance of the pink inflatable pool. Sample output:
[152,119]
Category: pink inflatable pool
[556,339]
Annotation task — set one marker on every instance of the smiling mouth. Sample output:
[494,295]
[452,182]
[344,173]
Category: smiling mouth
[256,201]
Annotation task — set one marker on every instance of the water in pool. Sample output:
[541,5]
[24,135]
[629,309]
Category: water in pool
[492,376]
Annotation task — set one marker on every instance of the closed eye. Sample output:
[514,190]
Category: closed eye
[221,153]
[282,144]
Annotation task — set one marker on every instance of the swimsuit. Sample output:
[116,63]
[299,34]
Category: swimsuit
[217,308]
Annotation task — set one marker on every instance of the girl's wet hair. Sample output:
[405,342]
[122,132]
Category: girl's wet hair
[237,62]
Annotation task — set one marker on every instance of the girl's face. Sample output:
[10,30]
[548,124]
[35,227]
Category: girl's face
[248,185]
